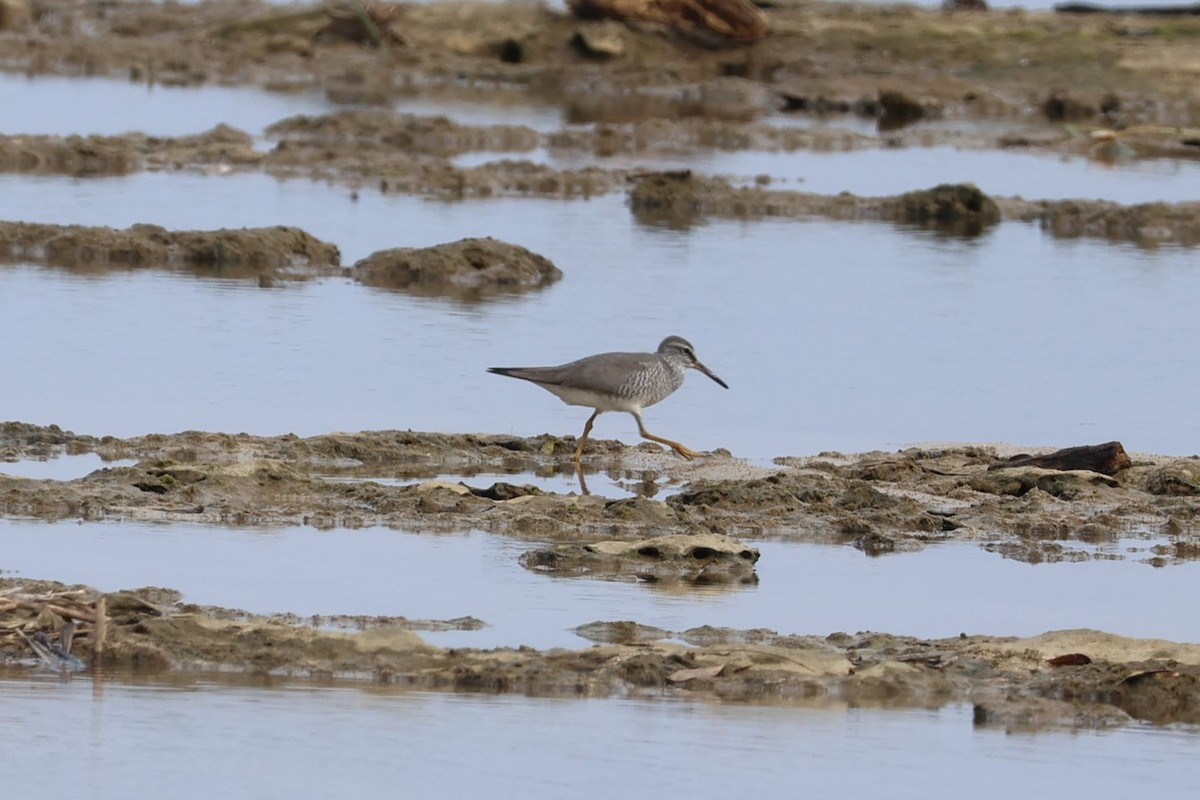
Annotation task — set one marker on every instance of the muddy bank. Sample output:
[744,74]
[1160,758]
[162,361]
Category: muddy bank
[824,57]
[223,148]
[1079,678]
[876,502]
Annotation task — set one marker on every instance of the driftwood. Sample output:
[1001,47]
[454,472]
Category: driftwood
[23,619]
[1093,8]
[1107,459]
[711,20]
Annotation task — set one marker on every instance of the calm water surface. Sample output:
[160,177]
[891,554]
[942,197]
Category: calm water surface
[844,336]
[803,589]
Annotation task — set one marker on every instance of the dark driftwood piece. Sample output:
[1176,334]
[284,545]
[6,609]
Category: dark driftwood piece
[722,20]
[1093,8]
[1107,459]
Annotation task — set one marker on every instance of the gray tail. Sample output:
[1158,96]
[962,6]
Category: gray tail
[523,373]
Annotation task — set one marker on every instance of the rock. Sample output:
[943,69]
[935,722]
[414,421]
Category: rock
[468,267]
[1179,479]
[898,109]
[1064,484]
[1061,107]
[961,209]
[602,40]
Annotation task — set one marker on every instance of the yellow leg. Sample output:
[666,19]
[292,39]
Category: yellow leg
[587,428]
[686,452]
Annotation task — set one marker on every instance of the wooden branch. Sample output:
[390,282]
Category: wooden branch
[1107,459]
[71,613]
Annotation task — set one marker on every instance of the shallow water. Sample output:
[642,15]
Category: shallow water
[942,591]
[138,739]
[831,335]
[61,468]
[52,104]
[59,105]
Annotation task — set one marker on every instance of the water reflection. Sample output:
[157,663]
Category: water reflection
[300,741]
[52,104]
[889,171]
[561,479]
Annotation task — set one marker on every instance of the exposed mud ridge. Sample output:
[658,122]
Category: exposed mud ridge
[360,129]
[409,154]
[1146,224]
[1074,679]
[80,156]
[469,269]
[876,502]
[681,199]
[265,253]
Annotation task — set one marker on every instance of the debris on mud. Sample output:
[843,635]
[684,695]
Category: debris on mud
[701,559]
[49,619]
[468,268]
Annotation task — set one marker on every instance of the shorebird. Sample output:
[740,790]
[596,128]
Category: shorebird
[626,382]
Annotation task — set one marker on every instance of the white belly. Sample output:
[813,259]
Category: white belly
[581,397]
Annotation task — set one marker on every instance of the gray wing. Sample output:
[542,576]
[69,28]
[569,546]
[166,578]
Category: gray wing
[605,372]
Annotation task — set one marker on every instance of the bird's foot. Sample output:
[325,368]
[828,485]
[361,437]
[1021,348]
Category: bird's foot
[686,452]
